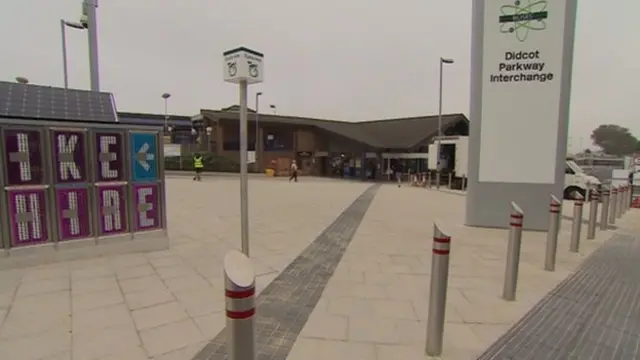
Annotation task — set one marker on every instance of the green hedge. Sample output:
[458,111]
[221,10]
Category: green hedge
[212,163]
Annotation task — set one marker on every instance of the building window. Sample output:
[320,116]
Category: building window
[278,139]
[231,139]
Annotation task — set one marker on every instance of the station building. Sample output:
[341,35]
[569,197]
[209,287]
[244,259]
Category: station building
[320,147]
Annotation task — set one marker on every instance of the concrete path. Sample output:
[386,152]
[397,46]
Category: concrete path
[375,305]
[163,305]
[283,308]
[369,269]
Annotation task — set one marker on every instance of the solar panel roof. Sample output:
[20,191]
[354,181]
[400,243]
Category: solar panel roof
[51,103]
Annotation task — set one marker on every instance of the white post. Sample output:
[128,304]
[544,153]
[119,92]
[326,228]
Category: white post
[243,66]
[92,34]
[63,35]
[438,291]
[244,178]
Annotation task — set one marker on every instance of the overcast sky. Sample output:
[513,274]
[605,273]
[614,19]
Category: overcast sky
[338,59]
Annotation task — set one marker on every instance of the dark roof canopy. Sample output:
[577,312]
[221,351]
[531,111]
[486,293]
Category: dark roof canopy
[153,119]
[398,133]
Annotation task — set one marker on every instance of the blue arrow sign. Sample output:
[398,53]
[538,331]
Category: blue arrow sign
[144,155]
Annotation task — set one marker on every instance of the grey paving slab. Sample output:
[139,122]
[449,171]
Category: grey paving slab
[593,314]
[285,305]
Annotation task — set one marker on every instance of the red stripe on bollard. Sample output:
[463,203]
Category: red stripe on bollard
[442,240]
[241,315]
[517,216]
[554,208]
[440,252]
[240,294]
[516,225]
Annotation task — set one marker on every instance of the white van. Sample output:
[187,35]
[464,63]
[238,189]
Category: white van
[576,181]
[456,150]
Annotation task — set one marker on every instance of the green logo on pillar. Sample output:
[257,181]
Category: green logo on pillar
[523,17]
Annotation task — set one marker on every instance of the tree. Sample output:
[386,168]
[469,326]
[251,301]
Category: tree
[614,139]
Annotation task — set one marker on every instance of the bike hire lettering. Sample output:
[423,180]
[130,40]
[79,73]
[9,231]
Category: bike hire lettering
[521,66]
[29,224]
[111,217]
[24,162]
[67,146]
[106,157]
[71,213]
[144,207]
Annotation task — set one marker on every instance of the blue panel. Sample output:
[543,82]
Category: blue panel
[144,157]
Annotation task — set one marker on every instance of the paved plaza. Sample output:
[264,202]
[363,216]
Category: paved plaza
[342,271]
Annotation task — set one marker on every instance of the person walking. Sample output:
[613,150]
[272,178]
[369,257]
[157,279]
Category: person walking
[198,165]
[293,172]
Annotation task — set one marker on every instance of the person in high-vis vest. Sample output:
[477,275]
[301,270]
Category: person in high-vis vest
[198,165]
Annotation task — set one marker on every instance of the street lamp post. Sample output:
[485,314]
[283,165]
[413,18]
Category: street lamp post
[442,62]
[22,80]
[258,94]
[63,34]
[89,20]
[274,109]
[166,97]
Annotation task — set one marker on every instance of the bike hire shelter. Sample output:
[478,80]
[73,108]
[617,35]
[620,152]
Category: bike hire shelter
[75,182]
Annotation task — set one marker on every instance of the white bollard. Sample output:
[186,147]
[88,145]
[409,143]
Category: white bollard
[576,226]
[438,291]
[513,253]
[240,290]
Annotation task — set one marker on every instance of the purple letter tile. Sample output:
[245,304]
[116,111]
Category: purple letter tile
[73,214]
[28,217]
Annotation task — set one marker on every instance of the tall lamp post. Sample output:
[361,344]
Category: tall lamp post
[443,61]
[22,80]
[166,97]
[258,94]
[63,34]
[274,109]
[90,21]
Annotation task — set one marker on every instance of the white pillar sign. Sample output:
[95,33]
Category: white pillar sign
[520,84]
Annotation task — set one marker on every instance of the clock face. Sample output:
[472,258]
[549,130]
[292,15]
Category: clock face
[231,67]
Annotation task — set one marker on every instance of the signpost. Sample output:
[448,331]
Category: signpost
[521,57]
[243,66]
